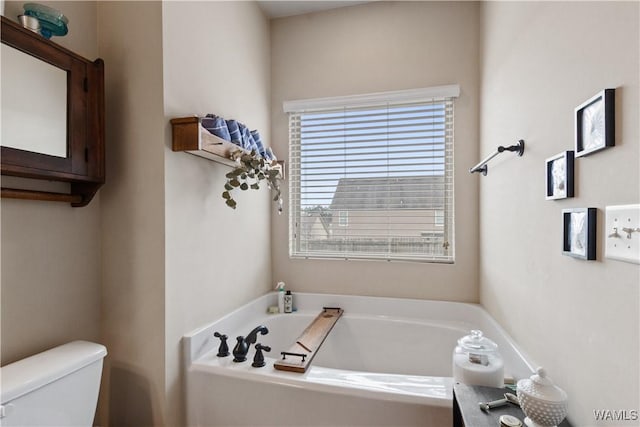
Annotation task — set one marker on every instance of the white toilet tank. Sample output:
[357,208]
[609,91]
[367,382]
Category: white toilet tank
[58,387]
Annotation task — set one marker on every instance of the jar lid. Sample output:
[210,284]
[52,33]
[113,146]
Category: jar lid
[477,343]
[509,421]
[541,387]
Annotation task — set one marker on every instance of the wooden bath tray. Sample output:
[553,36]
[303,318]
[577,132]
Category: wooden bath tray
[299,356]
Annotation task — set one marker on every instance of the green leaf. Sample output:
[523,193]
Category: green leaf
[228,186]
[231,203]
[255,186]
[230,175]
[234,183]
[226,195]
[244,186]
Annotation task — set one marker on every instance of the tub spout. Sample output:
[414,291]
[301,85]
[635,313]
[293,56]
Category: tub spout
[253,335]
[242,346]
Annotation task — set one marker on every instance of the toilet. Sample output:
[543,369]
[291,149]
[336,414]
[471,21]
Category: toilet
[58,387]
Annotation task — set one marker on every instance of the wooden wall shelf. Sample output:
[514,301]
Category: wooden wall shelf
[189,136]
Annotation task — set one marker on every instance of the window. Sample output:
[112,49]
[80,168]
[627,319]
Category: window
[371,176]
[343,218]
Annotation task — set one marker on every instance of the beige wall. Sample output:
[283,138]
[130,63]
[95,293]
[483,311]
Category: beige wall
[50,251]
[216,60]
[121,242]
[157,253]
[133,290]
[376,47]
[579,319]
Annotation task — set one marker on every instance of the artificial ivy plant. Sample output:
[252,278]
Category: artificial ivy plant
[251,169]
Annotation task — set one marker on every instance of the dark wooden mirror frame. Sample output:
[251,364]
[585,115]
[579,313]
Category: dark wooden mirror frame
[84,166]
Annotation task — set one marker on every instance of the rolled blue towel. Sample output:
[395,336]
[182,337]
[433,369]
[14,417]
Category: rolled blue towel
[243,134]
[270,155]
[234,132]
[259,145]
[250,140]
[217,126]
[254,143]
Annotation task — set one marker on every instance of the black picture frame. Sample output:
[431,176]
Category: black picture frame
[559,180]
[595,123]
[579,233]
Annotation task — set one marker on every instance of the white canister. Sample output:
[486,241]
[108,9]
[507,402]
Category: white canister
[543,402]
[476,361]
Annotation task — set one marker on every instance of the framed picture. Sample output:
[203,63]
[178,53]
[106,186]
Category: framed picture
[595,124]
[579,233]
[559,179]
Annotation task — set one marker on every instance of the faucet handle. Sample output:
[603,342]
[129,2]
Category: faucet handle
[258,359]
[263,347]
[223,350]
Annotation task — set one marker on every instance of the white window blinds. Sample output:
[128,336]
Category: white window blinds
[372,181]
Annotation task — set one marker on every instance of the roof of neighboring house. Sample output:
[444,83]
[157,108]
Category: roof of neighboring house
[416,192]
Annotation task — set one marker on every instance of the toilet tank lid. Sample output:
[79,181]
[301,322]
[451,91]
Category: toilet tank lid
[33,372]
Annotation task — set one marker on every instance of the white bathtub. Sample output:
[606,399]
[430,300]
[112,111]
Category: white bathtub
[386,362]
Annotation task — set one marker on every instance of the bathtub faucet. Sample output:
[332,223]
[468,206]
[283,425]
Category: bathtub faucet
[242,346]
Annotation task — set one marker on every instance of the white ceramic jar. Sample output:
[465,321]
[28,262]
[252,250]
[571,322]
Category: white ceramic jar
[544,403]
[476,361]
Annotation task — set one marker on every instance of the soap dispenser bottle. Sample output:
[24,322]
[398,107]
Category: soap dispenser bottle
[280,289]
[288,302]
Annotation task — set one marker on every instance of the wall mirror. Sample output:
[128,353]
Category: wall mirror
[34,104]
[52,116]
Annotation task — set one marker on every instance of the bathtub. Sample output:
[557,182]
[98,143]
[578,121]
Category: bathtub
[387,362]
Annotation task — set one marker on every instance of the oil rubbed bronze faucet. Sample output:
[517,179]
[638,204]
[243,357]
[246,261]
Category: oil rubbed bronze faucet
[242,346]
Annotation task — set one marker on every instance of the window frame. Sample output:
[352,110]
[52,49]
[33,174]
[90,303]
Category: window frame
[447,94]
